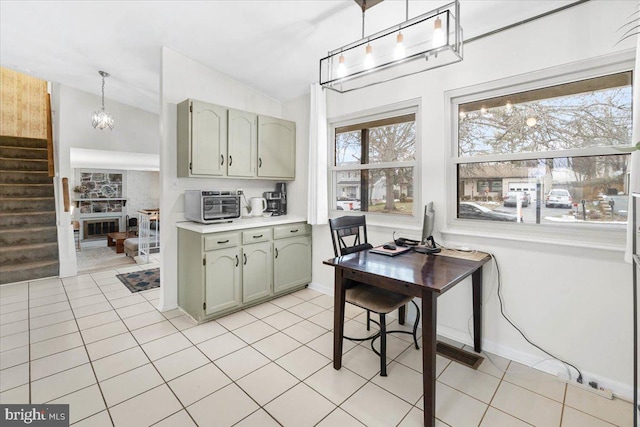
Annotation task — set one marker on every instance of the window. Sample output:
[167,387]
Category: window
[546,155]
[374,165]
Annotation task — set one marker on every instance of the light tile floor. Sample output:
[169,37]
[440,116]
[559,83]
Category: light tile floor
[118,361]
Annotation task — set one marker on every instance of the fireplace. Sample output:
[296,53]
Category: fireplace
[99,228]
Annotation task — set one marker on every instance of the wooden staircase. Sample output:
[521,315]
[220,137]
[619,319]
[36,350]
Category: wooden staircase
[28,233]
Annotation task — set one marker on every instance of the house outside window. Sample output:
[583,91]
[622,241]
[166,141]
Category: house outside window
[546,155]
[373,166]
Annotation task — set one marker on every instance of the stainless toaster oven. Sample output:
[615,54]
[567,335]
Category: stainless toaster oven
[211,206]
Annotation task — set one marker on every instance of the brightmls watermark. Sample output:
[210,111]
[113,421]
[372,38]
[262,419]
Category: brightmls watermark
[34,415]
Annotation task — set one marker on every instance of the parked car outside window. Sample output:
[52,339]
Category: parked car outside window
[558,197]
[512,197]
[470,210]
[345,204]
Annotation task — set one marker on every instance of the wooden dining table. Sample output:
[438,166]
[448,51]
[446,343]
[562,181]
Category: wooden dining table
[417,275]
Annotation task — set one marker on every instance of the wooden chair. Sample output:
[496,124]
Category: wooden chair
[349,235]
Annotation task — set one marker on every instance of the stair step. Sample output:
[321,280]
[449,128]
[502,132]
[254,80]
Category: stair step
[25,177]
[16,141]
[28,235]
[27,219]
[28,271]
[22,254]
[23,153]
[23,165]
[26,190]
[28,204]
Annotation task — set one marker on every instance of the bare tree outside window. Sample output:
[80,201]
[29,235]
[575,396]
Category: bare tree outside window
[383,147]
[557,140]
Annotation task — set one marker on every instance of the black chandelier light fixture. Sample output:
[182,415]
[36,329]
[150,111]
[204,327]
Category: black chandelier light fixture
[430,40]
[102,119]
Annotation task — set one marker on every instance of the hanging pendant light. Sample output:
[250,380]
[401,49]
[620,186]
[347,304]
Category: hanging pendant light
[438,33]
[101,119]
[368,58]
[427,41]
[342,68]
[399,52]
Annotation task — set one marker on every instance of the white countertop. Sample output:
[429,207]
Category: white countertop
[240,223]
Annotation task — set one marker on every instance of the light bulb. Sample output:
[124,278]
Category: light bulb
[531,122]
[483,110]
[400,51]
[342,68]
[368,57]
[509,106]
[438,33]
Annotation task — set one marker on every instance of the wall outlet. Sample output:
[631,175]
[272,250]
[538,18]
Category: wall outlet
[240,191]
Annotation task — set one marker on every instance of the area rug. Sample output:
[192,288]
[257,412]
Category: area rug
[141,280]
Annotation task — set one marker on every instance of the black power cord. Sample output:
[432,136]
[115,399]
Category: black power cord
[579,379]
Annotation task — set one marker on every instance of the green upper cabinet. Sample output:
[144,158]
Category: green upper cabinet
[202,139]
[276,148]
[218,142]
[243,144]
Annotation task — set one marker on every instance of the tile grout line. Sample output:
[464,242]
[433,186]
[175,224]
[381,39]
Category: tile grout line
[84,345]
[164,382]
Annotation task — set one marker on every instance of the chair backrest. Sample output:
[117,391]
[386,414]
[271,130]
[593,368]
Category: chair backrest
[349,234]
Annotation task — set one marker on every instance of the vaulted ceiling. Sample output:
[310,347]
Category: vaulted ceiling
[272,45]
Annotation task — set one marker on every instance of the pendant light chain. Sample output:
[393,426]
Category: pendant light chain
[102,92]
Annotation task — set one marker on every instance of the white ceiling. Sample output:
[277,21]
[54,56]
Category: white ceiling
[271,45]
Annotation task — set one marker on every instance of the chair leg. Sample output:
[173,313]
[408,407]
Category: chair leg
[383,346]
[368,320]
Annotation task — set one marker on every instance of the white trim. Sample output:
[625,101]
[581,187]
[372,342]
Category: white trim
[582,235]
[327,290]
[382,112]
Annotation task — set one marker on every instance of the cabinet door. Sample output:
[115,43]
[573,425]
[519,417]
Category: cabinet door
[222,280]
[208,139]
[276,148]
[256,271]
[243,144]
[291,263]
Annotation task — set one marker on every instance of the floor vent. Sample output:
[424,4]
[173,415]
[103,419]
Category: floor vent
[458,355]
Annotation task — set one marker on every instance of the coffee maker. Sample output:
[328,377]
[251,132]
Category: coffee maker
[277,200]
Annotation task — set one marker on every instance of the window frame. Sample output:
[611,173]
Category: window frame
[585,235]
[380,113]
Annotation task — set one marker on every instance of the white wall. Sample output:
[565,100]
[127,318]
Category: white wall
[574,302]
[184,78]
[135,131]
[143,191]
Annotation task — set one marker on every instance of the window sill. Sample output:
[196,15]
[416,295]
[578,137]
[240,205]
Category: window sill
[618,244]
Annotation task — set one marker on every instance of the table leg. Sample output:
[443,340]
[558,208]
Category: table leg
[429,342]
[476,280]
[110,241]
[338,317]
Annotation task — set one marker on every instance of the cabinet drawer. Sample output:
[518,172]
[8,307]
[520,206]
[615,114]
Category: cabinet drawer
[220,241]
[291,230]
[256,235]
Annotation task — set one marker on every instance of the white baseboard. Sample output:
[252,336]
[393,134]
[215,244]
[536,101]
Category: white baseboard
[328,290]
[550,366]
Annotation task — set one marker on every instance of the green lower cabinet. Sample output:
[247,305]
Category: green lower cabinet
[291,263]
[222,280]
[256,271]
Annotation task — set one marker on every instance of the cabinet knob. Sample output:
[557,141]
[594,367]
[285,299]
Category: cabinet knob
[258,236]
[237,260]
[245,258]
[259,162]
[230,160]
[294,231]
[221,160]
[220,242]
[276,252]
